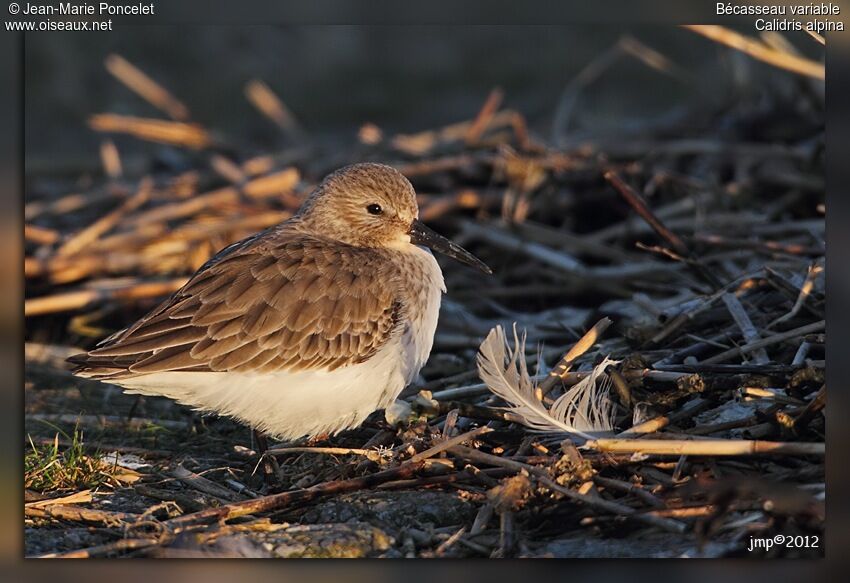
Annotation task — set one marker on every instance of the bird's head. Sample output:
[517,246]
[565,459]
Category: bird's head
[373,205]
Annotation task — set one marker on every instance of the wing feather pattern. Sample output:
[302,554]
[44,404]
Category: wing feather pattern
[283,301]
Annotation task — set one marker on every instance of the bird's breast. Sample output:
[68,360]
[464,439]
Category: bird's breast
[423,285]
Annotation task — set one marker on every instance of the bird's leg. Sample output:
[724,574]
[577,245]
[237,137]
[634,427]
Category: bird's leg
[271,470]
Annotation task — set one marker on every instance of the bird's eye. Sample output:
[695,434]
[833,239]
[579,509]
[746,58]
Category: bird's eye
[374,209]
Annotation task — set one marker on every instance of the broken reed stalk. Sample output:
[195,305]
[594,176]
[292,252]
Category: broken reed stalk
[202,484]
[748,330]
[272,184]
[814,407]
[173,133]
[74,300]
[444,445]
[90,234]
[270,105]
[640,206]
[584,344]
[40,235]
[716,447]
[764,342]
[760,51]
[482,120]
[111,159]
[78,514]
[656,423]
[148,89]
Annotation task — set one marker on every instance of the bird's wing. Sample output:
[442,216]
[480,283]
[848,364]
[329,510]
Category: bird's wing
[282,302]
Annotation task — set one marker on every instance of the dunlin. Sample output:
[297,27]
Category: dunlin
[305,328]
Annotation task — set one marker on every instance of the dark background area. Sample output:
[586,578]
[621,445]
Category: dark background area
[334,78]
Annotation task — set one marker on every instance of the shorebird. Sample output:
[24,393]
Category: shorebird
[305,328]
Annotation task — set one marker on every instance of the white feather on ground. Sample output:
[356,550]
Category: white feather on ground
[585,407]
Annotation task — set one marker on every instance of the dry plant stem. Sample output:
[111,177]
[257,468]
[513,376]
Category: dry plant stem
[640,206]
[285,499]
[718,447]
[101,226]
[813,408]
[369,453]
[762,246]
[202,484]
[81,497]
[485,115]
[269,104]
[174,133]
[40,235]
[77,514]
[805,291]
[784,285]
[423,142]
[446,544]
[145,87]
[443,446]
[630,488]
[111,160]
[760,51]
[819,38]
[543,477]
[500,237]
[74,300]
[258,188]
[127,544]
[584,344]
[464,475]
[749,331]
[690,408]
[769,341]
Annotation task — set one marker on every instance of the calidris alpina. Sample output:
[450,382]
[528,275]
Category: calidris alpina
[305,328]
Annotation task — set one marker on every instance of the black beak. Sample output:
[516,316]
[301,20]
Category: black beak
[422,235]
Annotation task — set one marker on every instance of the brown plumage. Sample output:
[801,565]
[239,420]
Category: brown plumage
[326,291]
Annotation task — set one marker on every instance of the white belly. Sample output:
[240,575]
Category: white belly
[290,405]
